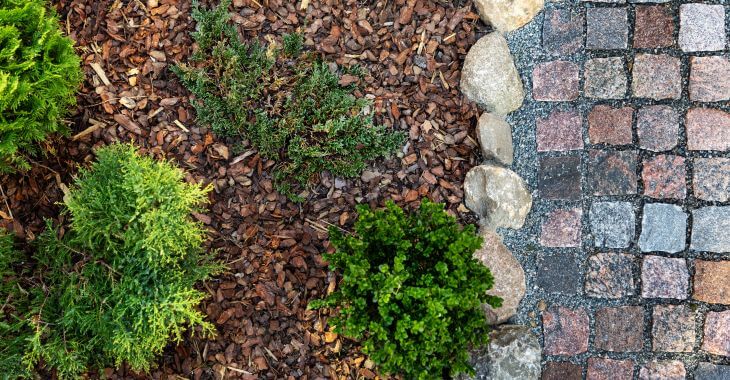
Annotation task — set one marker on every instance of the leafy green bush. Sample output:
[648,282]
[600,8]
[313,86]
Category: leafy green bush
[117,286]
[411,290]
[289,105]
[39,75]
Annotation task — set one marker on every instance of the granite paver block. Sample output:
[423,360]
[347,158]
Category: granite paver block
[605,78]
[711,179]
[663,370]
[654,27]
[619,329]
[709,79]
[663,228]
[710,228]
[664,177]
[701,27]
[610,275]
[612,224]
[657,127]
[608,28]
[612,172]
[712,282]
[664,277]
[708,129]
[656,76]
[558,273]
[559,178]
[562,228]
[609,369]
[673,328]
[608,125]
[562,371]
[565,330]
[717,333]
[562,31]
[555,81]
[709,371]
[560,131]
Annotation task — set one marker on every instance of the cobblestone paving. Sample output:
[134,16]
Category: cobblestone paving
[628,112]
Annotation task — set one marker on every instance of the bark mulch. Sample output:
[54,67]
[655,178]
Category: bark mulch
[412,52]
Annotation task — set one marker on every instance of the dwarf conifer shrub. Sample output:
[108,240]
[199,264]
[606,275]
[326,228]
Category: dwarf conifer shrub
[117,286]
[411,290]
[13,329]
[39,75]
[287,103]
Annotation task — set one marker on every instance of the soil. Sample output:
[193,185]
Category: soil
[411,50]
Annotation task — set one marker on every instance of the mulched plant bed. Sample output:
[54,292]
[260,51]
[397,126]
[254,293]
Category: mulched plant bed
[411,52]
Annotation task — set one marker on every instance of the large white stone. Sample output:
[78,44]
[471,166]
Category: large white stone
[489,76]
[495,138]
[509,277]
[508,15]
[513,353]
[498,196]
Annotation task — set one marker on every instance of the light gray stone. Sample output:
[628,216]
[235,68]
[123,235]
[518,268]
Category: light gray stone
[489,76]
[513,353]
[498,196]
[710,226]
[663,228]
[605,78]
[508,15]
[612,224]
[701,27]
[495,138]
[509,277]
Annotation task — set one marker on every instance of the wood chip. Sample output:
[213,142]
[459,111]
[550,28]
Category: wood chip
[100,72]
[181,125]
[128,124]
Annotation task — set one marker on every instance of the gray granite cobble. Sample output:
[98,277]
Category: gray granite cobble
[612,224]
[663,228]
[711,229]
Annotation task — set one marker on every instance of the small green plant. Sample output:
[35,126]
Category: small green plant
[411,290]
[117,286]
[288,104]
[293,44]
[39,75]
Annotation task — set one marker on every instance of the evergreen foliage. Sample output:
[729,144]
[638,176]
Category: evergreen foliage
[117,286]
[289,105]
[411,290]
[13,329]
[39,75]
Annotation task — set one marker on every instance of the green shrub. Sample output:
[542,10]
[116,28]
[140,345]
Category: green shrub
[411,290]
[117,286]
[289,105]
[13,329]
[39,75]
